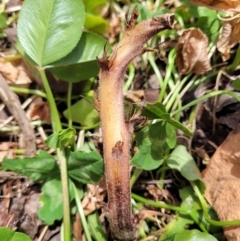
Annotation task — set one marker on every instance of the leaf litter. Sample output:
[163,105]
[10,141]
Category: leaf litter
[222,179]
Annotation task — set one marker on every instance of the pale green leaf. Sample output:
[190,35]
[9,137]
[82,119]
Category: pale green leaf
[81,63]
[36,168]
[83,112]
[7,234]
[193,235]
[182,161]
[49,29]
[153,142]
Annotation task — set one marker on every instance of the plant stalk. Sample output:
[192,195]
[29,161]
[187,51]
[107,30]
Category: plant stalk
[57,127]
[116,132]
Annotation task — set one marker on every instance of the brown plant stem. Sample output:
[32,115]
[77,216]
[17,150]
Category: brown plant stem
[116,137]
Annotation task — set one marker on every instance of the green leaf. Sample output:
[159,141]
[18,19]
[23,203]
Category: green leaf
[236,84]
[64,138]
[37,168]
[189,199]
[191,202]
[193,235]
[83,112]
[96,23]
[81,63]
[154,111]
[95,227]
[153,142]
[206,19]
[49,29]
[6,234]
[182,161]
[176,225]
[3,20]
[91,5]
[85,167]
[158,111]
[183,13]
[51,201]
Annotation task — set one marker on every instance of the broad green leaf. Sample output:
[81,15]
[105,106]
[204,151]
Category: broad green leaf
[182,161]
[7,234]
[64,138]
[206,19]
[176,225]
[189,199]
[52,202]
[91,5]
[143,158]
[158,111]
[81,63]
[84,113]
[85,167]
[95,227]
[181,222]
[96,23]
[49,29]
[191,203]
[193,235]
[236,84]
[76,72]
[37,168]
[153,142]
[154,111]
[183,13]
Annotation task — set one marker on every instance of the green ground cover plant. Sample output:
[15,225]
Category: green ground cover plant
[50,39]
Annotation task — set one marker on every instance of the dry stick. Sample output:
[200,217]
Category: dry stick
[116,136]
[12,102]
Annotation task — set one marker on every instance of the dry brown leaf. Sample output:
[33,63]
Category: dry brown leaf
[229,38]
[94,198]
[222,179]
[159,193]
[192,52]
[77,228]
[39,110]
[142,96]
[220,5]
[15,73]
[8,71]
[7,150]
[151,215]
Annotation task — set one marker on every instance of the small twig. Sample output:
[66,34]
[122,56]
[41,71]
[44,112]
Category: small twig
[44,231]
[12,102]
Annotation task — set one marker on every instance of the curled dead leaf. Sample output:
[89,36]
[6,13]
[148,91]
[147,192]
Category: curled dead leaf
[39,109]
[229,38]
[15,73]
[192,52]
[94,199]
[222,179]
[159,193]
[220,5]
[142,96]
